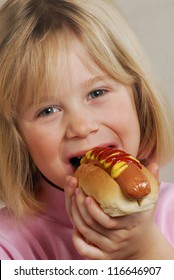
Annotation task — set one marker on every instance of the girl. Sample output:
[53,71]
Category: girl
[73,77]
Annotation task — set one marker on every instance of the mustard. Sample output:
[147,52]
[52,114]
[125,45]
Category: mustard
[118,168]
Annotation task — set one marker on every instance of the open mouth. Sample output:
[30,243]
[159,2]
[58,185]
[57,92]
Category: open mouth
[75,161]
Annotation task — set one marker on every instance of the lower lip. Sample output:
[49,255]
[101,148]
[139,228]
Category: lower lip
[70,169]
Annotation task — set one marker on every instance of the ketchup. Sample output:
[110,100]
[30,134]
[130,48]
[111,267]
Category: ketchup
[113,156]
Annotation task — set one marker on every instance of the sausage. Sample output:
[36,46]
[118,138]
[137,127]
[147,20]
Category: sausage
[123,168]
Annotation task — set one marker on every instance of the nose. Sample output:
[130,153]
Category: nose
[81,125]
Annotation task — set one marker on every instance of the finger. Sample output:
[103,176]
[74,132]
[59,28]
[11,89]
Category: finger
[108,238]
[91,211]
[102,218]
[91,252]
[126,222]
[85,248]
[70,186]
[95,235]
[80,202]
[94,216]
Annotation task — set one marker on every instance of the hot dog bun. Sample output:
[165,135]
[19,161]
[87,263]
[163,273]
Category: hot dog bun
[98,183]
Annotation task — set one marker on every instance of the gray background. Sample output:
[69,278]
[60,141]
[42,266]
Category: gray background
[153,22]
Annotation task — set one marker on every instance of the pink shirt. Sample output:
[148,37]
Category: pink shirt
[164,215]
[48,236]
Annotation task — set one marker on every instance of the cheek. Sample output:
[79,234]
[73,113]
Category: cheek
[40,143]
[123,120]
[122,114]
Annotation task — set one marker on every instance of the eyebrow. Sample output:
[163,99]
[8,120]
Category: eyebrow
[90,82]
[85,85]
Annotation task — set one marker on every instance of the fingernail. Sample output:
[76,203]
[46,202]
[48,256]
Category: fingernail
[70,182]
[77,191]
[88,200]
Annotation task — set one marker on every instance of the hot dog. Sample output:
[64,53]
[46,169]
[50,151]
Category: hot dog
[117,181]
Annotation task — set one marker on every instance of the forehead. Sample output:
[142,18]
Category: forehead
[54,64]
[53,61]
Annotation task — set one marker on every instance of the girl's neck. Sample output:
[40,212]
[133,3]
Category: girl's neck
[50,183]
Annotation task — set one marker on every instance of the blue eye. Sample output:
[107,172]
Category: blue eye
[97,93]
[47,112]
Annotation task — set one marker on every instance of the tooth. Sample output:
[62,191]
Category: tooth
[79,157]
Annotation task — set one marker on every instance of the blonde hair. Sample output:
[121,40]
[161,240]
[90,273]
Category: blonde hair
[30,32]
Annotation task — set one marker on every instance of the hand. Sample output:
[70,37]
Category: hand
[98,236]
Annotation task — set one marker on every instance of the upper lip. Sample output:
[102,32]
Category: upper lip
[83,152]
[78,154]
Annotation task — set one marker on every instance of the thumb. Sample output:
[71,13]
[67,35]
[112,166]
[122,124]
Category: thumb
[70,184]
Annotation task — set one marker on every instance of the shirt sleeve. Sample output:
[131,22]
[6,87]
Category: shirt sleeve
[165,211]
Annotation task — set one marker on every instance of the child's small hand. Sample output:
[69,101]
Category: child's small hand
[96,235]
[99,236]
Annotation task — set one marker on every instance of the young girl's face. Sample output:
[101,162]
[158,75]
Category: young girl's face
[91,109]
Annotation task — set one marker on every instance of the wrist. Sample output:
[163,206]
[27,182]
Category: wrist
[155,246]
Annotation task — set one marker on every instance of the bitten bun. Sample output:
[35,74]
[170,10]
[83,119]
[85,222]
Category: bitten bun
[98,183]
